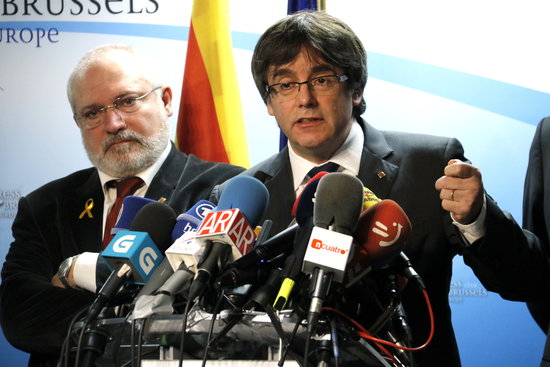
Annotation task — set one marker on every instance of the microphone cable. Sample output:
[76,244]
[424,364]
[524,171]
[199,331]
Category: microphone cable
[183,332]
[79,343]
[211,326]
[392,307]
[136,356]
[412,349]
[66,346]
[133,343]
[286,346]
[119,339]
[306,350]
[94,343]
[335,346]
[364,333]
[140,342]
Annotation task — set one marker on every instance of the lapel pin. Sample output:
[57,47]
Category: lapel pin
[381,174]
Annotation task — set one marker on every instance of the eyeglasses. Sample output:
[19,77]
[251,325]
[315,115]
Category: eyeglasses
[321,85]
[94,116]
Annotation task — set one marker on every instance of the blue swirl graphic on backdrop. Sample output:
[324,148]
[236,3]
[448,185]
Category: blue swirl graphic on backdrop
[513,101]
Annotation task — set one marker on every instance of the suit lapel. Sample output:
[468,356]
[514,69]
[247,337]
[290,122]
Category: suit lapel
[166,179]
[84,211]
[277,177]
[376,172]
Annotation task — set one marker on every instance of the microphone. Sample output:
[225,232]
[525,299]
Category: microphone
[292,268]
[130,207]
[278,244]
[227,233]
[381,233]
[269,249]
[172,274]
[369,198]
[302,210]
[303,205]
[133,255]
[186,250]
[236,276]
[191,219]
[338,203]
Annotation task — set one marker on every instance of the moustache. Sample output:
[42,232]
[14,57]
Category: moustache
[125,135]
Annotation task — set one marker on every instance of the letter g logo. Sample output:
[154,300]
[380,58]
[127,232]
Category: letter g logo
[123,244]
[147,259]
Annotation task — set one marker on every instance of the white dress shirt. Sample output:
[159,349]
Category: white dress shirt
[84,271]
[348,156]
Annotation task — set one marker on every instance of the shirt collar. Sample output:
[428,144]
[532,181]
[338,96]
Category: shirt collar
[146,175]
[348,157]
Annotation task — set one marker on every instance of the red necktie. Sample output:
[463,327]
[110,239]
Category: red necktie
[124,187]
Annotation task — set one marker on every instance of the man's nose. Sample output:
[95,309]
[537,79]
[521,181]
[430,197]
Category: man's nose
[113,120]
[305,96]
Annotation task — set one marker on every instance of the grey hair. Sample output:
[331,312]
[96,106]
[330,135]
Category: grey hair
[149,69]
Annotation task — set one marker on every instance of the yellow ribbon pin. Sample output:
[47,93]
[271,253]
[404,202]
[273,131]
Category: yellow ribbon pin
[87,208]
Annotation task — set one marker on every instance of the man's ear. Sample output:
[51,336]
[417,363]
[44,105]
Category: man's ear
[356,96]
[269,108]
[167,100]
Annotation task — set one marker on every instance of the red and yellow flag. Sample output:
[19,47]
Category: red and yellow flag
[210,120]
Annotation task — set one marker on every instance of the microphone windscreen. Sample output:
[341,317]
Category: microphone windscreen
[338,202]
[381,233]
[247,194]
[369,198]
[157,219]
[191,219]
[130,206]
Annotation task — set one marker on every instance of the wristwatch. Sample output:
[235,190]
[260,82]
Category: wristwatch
[63,271]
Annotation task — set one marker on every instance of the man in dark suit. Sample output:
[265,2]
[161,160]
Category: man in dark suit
[121,107]
[310,69]
[536,217]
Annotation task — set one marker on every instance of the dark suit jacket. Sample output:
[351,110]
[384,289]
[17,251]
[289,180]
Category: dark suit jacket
[536,216]
[35,315]
[412,163]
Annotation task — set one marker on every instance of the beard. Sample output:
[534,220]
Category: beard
[137,154]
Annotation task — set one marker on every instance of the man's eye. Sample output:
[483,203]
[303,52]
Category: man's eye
[320,81]
[127,101]
[90,114]
[287,86]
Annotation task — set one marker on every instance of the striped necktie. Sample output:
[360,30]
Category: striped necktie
[124,187]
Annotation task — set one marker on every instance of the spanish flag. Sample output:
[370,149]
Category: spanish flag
[210,120]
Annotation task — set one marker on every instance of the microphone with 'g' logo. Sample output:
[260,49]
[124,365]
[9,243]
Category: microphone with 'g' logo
[134,254]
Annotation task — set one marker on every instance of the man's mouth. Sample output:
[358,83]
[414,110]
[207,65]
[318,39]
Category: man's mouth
[120,142]
[308,119]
